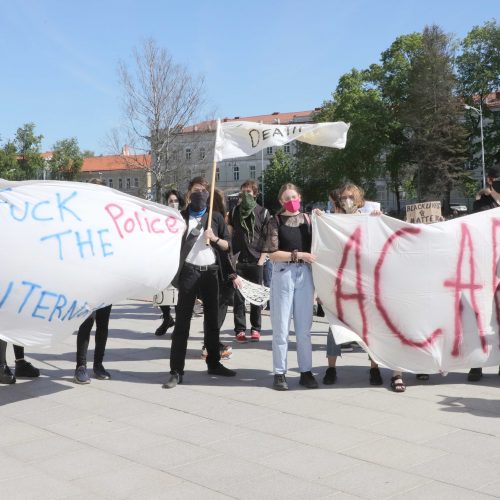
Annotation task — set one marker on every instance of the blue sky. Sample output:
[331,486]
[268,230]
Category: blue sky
[59,57]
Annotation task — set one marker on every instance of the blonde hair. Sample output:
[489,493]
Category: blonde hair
[358,192]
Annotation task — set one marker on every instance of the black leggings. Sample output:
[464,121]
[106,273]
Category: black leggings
[3,350]
[101,336]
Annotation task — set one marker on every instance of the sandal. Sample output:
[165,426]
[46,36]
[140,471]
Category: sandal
[375,377]
[422,376]
[398,386]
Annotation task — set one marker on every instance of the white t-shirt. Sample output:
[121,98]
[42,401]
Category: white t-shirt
[201,254]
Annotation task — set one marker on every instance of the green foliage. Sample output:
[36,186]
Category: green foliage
[8,162]
[67,159]
[432,118]
[279,171]
[28,146]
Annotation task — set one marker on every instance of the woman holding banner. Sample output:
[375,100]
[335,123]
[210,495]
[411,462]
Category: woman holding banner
[292,291]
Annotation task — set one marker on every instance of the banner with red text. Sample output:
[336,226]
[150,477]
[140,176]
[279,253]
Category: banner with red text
[68,248]
[243,138]
[420,298]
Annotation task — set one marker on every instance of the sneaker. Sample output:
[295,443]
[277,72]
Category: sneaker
[475,375]
[81,375]
[100,373]
[6,376]
[279,382]
[174,379]
[307,380]
[26,369]
[241,338]
[255,336]
[330,376]
[221,370]
[166,324]
[375,377]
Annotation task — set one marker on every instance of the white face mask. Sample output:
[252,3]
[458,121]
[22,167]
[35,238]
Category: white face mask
[349,206]
[174,204]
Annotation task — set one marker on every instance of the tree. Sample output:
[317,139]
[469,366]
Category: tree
[67,159]
[431,115]
[478,68]
[9,167]
[28,145]
[160,98]
[357,102]
[279,171]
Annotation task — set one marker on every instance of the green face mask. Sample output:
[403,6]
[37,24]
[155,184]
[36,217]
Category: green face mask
[247,201]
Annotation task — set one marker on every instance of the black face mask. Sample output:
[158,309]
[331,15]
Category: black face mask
[496,186]
[198,200]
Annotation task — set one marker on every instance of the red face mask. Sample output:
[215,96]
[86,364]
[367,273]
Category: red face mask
[292,205]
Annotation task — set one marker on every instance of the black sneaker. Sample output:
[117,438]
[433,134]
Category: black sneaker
[81,375]
[221,370]
[6,376]
[100,373]
[375,377]
[166,324]
[280,382]
[26,369]
[307,380]
[174,379]
[330,376]
[475,375]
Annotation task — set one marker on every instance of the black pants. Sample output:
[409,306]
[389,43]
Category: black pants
[101,336]
[3,349]
[193,283]
[254,273]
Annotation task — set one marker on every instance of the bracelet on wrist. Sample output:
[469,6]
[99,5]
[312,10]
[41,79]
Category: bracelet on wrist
[217,241]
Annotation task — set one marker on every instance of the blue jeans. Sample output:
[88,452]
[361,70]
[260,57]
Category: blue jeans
[292,294]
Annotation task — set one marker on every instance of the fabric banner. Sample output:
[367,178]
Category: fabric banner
[242,138]
[421,298]
[257,295]
[69,248]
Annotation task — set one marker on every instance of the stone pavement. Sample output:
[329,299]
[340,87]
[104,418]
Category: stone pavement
[237,438]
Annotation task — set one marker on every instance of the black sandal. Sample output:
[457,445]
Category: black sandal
[398,386]
[375,377]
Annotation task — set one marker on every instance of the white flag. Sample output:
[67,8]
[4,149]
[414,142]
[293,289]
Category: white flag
[71,247]
[242,138]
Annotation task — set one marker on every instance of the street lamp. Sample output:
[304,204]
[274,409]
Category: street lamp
[480,113]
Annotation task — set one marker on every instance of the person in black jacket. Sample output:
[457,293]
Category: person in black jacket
[485,200]
[247,226]
[200,272]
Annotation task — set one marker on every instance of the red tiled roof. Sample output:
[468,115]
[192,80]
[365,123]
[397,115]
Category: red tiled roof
[276,117]
[116,162]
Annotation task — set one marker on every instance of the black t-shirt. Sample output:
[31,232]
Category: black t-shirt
[288,233]
[486,202]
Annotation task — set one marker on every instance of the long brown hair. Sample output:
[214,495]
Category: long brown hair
[358,192]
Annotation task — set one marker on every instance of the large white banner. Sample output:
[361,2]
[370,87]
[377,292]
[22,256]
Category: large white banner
[242,138]
[421,298]
[68,248]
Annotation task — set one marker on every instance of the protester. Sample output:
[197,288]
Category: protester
[174,200]
[486,199]
[199,270]
[292,291]
[101,318]
[349,199]
[247,225]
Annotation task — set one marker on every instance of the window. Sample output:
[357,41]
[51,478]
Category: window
[202,153]
[128,183]
[188,153]
[217,174]
[252,171]
[236,173]
[286,148]
[269,150]
[136,182]
[120,183]
[110,183]
[175,155]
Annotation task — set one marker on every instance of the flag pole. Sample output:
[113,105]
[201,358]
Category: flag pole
[212,182]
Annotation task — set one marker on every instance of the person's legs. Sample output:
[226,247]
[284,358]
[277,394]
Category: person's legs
[24,368]
[101,338]
[333,350]
[167,321]
[6,376]
[240,324]
[255,275]
[82,346]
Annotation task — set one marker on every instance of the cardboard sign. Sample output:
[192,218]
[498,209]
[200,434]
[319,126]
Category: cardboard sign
[424,213]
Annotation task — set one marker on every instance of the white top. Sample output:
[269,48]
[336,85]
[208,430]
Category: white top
[201,254]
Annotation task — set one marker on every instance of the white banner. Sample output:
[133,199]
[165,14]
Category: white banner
[420,298]
[68,248]
[241,138]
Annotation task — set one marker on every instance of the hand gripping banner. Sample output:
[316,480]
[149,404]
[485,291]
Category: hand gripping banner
[68,248]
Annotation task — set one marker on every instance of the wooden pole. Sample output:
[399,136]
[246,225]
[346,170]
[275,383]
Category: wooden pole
[212,184]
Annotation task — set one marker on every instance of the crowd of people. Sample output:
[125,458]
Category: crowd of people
[220,246]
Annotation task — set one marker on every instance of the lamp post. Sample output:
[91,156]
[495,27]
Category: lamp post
[480,113]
